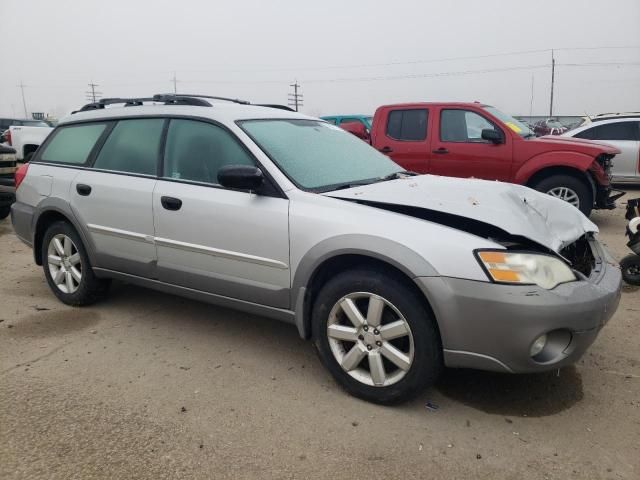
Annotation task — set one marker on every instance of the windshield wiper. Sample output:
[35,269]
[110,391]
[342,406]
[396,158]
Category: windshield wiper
[397,175]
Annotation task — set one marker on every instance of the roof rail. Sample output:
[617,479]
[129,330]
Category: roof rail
[191,95]
[171,99]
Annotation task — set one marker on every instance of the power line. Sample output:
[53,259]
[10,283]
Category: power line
[416,62]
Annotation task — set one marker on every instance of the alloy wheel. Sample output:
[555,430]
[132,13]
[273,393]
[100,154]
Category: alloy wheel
[566,194]
[65,263]
[370,339]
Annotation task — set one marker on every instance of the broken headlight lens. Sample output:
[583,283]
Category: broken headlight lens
[526,268]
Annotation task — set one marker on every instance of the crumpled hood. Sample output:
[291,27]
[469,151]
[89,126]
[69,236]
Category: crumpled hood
[515,209]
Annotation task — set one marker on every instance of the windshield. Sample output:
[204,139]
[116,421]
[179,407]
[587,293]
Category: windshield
[317,156]
[515,125]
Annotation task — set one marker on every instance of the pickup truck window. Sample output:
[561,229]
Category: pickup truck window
[465,126]
[72,144]
[408,125]
[317,156]
[612,131]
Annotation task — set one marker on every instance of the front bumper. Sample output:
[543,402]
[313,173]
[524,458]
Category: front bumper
[7,191]
[606,197]
[489,326]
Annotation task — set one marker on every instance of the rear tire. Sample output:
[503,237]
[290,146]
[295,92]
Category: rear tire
[569,189]
[394,354]
[630,266]
[4,212]
[67,268]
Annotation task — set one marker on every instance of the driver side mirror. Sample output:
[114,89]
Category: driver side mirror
[493,136]
[241,177]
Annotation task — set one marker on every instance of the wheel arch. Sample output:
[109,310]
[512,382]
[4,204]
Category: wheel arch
[544,173]
[326,259]
[48,214]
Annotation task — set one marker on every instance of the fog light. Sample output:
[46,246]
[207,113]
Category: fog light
[538,345]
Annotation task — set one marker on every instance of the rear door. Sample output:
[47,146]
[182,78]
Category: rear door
[624,135]
[113,199]
[403,136]
[458,150]
[226,242]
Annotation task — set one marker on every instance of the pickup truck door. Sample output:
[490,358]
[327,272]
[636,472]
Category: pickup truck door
[402,135]
[458,150]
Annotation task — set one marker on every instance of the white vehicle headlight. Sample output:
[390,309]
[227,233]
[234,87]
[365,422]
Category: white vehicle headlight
[525,268]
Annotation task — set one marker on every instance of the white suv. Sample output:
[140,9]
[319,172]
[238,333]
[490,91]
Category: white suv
[392,274]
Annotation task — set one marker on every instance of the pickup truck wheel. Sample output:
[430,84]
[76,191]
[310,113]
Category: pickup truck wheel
[4,212]
[375,336]
[67,268]
[569,189]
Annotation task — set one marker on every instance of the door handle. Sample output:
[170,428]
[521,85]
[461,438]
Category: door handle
[83,189]
[440,151]
[171,203]
[386,149]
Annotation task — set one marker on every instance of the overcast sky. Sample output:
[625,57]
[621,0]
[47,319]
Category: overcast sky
[349,56]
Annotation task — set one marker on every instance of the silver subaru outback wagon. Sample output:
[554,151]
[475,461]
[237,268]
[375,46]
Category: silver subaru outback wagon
[393,275]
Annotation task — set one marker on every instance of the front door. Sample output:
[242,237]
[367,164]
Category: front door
[209,238]
[458,150]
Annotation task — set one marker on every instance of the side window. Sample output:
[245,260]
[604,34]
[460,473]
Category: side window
[132,147]
[72,144]
[196,151]
[614,131]
[586,134]
[407,125]
[463,126]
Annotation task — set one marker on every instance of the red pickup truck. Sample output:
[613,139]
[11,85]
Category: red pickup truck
[476,140]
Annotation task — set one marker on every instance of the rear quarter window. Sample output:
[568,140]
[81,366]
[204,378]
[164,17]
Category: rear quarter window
[72,144]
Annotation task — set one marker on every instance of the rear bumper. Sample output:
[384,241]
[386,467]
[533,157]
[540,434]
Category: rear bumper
[492,327]
[22,216]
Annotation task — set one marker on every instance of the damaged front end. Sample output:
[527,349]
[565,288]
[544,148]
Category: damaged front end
[605,195]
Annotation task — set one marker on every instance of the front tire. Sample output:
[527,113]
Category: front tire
[375,335]
[67,268]
[630,266]
[570,189]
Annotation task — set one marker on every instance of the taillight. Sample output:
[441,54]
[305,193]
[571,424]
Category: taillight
[20,174]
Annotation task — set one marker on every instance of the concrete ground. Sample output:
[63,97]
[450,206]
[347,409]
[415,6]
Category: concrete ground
[147,385]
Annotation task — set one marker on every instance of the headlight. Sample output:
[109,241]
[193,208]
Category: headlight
[525,268]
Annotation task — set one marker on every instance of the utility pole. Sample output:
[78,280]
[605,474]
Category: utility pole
[295,98]
[553,78]
[93,96]
[531,101]
[175,83]
[24,103]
